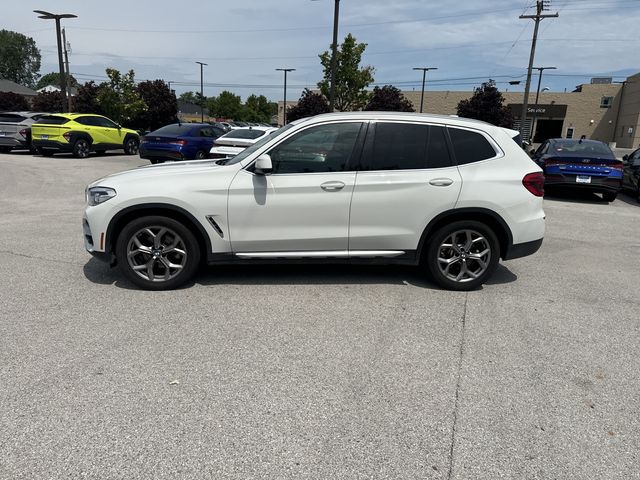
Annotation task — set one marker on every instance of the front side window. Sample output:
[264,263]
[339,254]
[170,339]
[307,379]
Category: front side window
[323,148]
[407,146]
[104,122]
[470,146]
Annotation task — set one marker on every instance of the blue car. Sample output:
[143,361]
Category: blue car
[179,141]
[580,164]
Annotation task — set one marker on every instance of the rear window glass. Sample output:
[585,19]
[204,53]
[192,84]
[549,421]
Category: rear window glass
[174,130]
[470,146]
[576,147]
[249,134]
[53,120]
[11,118]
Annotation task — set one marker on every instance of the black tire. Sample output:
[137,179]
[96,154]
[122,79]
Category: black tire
[154,160]
[131,145]
[201,154]
[81,148]
[154,267]
[5,149]
[46,153]
[609,196]
[469,263]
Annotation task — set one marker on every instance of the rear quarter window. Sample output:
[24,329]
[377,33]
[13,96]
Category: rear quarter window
[470,147]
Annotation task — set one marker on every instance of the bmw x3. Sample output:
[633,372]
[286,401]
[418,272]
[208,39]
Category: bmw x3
[450,195]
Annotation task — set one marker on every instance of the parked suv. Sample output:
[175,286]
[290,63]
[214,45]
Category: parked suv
[15,130]
[80,134]
[450,194]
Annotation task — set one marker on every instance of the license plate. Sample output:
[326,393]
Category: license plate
[44,137]
[583,179]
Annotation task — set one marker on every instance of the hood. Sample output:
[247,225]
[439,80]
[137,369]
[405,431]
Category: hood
[149,172]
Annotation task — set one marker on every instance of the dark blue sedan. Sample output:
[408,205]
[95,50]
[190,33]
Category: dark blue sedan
[584,164]
[179,141]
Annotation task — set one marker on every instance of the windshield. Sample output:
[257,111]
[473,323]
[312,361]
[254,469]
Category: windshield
[576,147]
[248,151]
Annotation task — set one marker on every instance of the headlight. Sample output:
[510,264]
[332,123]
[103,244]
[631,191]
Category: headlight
[97,195]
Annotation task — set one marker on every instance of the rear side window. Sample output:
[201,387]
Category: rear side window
[85,121]
[407,146]
[53,120]
[469,146]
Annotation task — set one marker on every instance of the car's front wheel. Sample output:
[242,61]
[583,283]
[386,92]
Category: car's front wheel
[462,255]
[157,253]
[81,148]
[131,146]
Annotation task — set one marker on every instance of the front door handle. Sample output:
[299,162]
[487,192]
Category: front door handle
[441,182]
[332,186]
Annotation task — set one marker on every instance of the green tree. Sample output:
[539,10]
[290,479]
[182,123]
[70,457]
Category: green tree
[487,104]
[258,109]
[390,99]
[310,104]
[228,105]
[52,102]
[13,101]
[162,106]
[86,99]
[351,80]
[189,97]
[119,98]
[53,78]
[19,58]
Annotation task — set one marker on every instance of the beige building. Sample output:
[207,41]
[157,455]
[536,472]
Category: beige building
[609,112]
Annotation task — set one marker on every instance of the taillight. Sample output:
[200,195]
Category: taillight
[617,166]
[534,182]
[67,136]
[24,132]
[178,142]
[143,140]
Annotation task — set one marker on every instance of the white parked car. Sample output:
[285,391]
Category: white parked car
[233,142]
[448,194]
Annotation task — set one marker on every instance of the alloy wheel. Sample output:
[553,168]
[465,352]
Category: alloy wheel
[464,255]
[132,147]
[156,253]
[81,149]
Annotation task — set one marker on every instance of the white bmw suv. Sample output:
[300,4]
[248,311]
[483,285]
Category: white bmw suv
[449,194]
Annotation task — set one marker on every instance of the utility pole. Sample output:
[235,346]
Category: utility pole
[534,123]
[66,61]
[201,92]
[284,108]
[424,76]
[541,5]
[334,56]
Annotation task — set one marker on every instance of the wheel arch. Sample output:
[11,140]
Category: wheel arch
[122,218]
[483,215]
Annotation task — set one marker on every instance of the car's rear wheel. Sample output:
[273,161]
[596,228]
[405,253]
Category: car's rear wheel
[157,253]
[462,255]
[609,196]
[201,154]
[131,146]
[81,148]
[5,149]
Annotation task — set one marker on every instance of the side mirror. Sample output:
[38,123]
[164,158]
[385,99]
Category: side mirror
[263,165]
[532,151]
[625,157]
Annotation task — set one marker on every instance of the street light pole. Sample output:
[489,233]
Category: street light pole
[534,123]
[63,80]
[284,108]
[201,92]
[334,56]
[424,76]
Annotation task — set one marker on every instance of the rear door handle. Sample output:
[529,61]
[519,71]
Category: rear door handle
[441,182]
[332,186]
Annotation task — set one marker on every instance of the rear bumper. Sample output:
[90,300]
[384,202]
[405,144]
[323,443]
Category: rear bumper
[520,250]
[150,153]
[597,184]
[53,145]
[13,142]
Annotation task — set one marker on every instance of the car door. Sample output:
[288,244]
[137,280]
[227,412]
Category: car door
[110,132]
[303,206]
[632,171]
[407,177]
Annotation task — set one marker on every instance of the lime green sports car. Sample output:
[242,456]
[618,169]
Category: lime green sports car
[80,134]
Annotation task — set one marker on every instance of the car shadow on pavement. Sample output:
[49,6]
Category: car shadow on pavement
[575,196]
[294,274]
[629,198]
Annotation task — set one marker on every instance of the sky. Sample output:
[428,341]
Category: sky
[244,41]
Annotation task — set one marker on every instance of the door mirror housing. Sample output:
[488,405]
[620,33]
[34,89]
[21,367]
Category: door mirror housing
[263,165]
[625,158]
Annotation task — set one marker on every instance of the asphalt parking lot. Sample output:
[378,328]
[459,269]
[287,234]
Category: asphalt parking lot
[313,372]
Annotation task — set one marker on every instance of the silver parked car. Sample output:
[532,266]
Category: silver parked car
[15,130]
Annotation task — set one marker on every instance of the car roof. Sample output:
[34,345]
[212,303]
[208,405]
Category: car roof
[575,140]
[424,117]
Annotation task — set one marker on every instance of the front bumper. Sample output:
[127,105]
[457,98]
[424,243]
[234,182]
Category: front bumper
[94,243]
